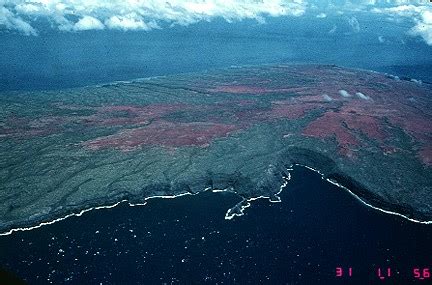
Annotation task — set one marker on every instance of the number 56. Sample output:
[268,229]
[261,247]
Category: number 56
[421,273]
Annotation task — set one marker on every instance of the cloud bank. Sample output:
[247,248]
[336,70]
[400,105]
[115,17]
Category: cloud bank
[420,14]
[81,15]
[76,15]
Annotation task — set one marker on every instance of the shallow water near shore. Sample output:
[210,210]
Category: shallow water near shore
[317,228]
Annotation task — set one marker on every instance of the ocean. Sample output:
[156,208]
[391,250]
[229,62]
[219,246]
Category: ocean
[56,60]
[317,232]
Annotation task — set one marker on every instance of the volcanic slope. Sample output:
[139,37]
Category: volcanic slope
[239,128]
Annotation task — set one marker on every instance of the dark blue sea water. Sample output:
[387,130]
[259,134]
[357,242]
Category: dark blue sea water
[302,240]
[56,60]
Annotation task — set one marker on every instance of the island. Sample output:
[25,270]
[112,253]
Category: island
[237,129]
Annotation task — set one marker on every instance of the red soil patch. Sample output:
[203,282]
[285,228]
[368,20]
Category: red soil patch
[344,124]
[418,127]
[165,134]
[331,125]
[368,125]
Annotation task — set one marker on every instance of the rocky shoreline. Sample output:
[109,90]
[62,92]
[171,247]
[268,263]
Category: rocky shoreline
[298,157]
[238,129]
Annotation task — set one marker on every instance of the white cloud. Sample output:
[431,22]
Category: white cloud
[327,98]
[73,15]
[421,15]
[78,15]
[88,23]
[344,93]
[126,23]
[12,22]
[423,27]
[362,96]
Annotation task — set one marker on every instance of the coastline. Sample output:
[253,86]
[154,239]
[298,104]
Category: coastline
[384,207]
[362,195]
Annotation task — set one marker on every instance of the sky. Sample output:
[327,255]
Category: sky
[25,17]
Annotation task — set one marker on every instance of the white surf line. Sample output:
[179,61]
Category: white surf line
[228,216]
[229,189]
[125,82]
[376,208]
[247,204]
[160,197]
[363,202]
[22,229]
[90,209]
[60,219]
